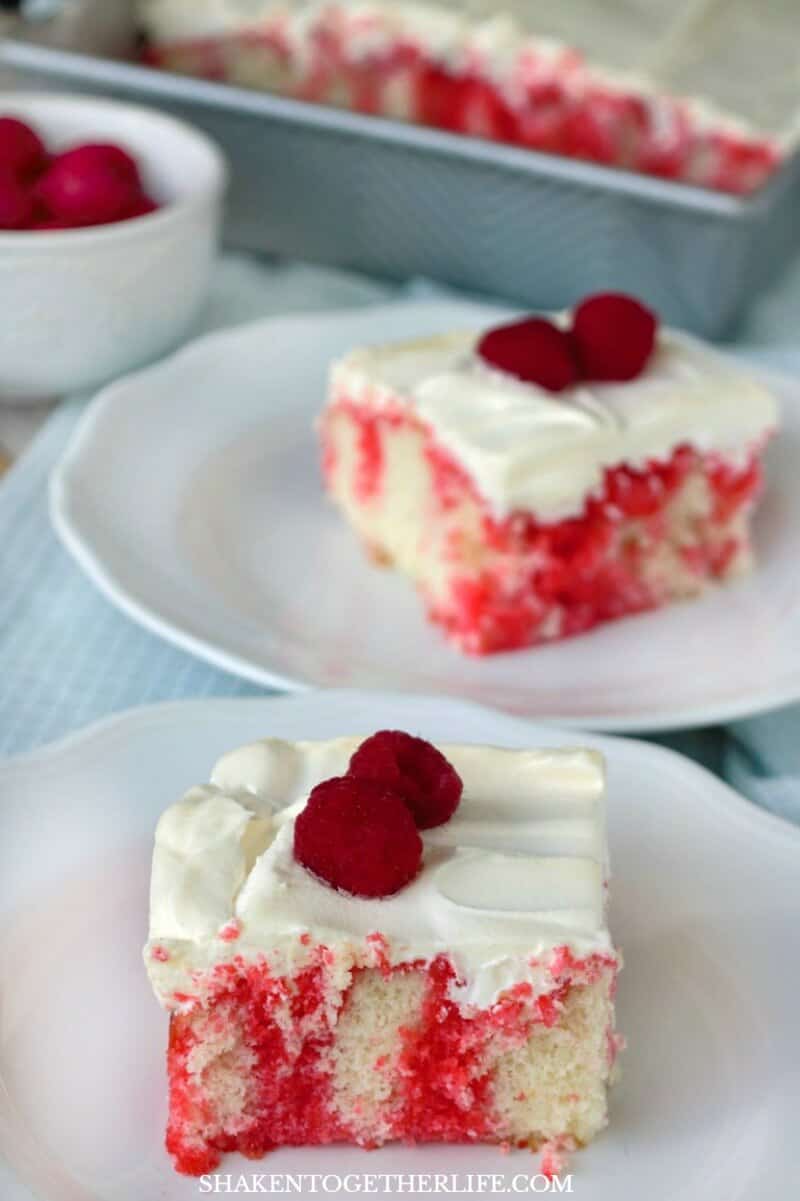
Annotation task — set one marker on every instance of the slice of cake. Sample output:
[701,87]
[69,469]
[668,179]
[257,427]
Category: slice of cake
[699,92]
[548,475]
[350,949]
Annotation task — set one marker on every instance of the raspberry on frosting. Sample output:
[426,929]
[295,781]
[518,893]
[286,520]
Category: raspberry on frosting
[534,350]
[613,336]
[611,340]
[358,836]
[413,768]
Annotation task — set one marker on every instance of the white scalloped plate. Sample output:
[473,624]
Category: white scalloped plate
[191,496]
[705,896]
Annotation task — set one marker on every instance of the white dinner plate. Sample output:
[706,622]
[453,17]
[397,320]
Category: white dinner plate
[705,893]
[191,495]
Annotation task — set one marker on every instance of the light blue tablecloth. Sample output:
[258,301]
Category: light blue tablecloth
[68,657]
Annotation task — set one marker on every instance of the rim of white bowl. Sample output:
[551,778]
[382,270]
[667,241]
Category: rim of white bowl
[13,104]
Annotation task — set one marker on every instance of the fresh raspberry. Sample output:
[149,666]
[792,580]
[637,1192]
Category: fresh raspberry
[17,208]
[413,768]
[91,155]
[21,150]
[358,836]
[90,185]
[534,350]
[613,336]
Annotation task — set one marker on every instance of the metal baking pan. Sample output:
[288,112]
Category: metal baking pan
[399,200]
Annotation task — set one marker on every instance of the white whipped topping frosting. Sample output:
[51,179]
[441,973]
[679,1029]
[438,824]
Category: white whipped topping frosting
[517,872]
[529,449]
[641,46]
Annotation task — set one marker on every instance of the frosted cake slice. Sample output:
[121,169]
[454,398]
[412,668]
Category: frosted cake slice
[549,475]
[374,940]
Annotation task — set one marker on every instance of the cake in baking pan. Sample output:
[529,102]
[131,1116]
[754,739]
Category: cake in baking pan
[703,91]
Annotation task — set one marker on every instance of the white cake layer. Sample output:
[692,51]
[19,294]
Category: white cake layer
[517,872]
[736,60]
[529,449]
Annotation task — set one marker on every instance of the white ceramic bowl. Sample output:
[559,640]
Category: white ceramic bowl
[78,307]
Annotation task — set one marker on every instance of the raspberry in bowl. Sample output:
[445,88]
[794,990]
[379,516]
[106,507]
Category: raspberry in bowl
[92,183]
[109,223]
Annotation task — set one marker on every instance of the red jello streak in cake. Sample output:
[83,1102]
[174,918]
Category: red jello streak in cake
[369,465]
[561,961]
[231,931]
[379,946]
[446,1089]
[570,565]
[600,125]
